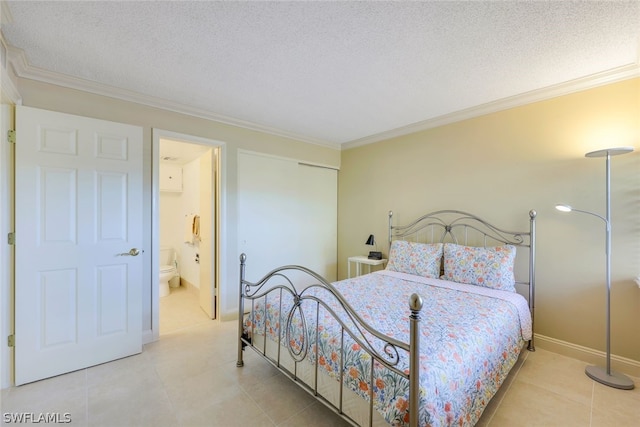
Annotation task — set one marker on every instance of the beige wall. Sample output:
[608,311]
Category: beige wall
[51,97]
[500,166]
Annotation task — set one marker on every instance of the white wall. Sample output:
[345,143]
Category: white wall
[174,207]
[190,202]
[170,220]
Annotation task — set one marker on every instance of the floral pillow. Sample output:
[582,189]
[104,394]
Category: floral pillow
[488,267]
[421,259]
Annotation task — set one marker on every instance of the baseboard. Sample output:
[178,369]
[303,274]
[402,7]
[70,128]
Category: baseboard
[229,315]
[147,337]
[621,364]
[190,286]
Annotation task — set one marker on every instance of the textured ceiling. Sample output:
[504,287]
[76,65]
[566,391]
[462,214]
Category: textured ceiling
[327,72]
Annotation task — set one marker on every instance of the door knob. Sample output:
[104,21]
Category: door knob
[132,252]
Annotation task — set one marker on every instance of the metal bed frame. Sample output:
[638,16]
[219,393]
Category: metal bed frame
[445,225]
[461,228]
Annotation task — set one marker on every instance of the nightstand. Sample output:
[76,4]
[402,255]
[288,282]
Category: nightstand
[359,261]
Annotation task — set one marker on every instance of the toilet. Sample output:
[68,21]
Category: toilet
[168,269]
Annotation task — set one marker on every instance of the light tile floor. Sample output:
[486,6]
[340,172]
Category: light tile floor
[189,378]
[180,309]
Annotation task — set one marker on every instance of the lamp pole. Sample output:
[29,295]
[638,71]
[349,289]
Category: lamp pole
[607,376]
[608,252]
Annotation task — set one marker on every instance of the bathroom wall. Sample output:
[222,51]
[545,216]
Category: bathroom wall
[170,211]
[174,207]
[190,204]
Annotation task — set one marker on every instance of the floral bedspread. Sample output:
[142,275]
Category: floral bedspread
[470,337]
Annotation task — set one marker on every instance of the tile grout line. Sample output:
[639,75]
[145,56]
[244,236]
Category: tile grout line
[593,392]
[86,395]
[166,392]
[257,404]
[512,380]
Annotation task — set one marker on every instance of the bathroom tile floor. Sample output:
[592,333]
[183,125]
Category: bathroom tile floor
[189,378]
[180,309]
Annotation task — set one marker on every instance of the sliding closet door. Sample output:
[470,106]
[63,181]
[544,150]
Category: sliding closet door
[287,214]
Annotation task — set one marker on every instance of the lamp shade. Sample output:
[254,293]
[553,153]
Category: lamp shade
[371,240]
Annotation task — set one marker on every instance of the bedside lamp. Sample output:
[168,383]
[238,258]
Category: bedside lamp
[605,375]
[373,254]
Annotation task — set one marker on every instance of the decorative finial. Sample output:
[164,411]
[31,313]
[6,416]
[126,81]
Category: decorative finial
[415,302]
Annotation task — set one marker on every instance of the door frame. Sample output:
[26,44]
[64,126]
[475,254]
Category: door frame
[7,252]
[219,228]
[9,98]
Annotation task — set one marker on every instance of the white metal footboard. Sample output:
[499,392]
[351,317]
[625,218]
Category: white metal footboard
[277,283]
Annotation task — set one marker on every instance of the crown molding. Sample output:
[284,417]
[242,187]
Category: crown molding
[23,69]
[600,79]
[5,13]
[8,88]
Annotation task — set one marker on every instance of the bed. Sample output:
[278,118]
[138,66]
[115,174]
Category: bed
[427,341]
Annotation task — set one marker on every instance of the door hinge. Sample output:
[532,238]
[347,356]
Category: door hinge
[11,340]
[11,238]
[11,136]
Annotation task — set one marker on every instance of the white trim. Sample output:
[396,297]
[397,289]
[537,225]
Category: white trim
[181,137]
[7,83]
[289,159]
[7,252]
[590,355]
[9,88]
[611,76]
[23,69]
[221,251]
[5,13]
[148,337]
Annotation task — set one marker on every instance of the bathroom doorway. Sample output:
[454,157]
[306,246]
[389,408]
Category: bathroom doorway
[186,208]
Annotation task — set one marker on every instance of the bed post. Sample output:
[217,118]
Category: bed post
[390,227]
[532,273]
[415,304]
[243,258]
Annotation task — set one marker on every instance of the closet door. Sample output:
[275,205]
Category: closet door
[287,214]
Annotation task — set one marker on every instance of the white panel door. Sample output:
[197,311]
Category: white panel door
[318,216]
[78,211]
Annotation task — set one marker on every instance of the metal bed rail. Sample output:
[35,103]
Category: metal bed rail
[354,326]
[441,226]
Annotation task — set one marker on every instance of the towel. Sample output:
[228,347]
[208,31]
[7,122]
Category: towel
[196,227]
[188,228]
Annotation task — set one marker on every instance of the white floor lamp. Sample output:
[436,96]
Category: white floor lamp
[605,375]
